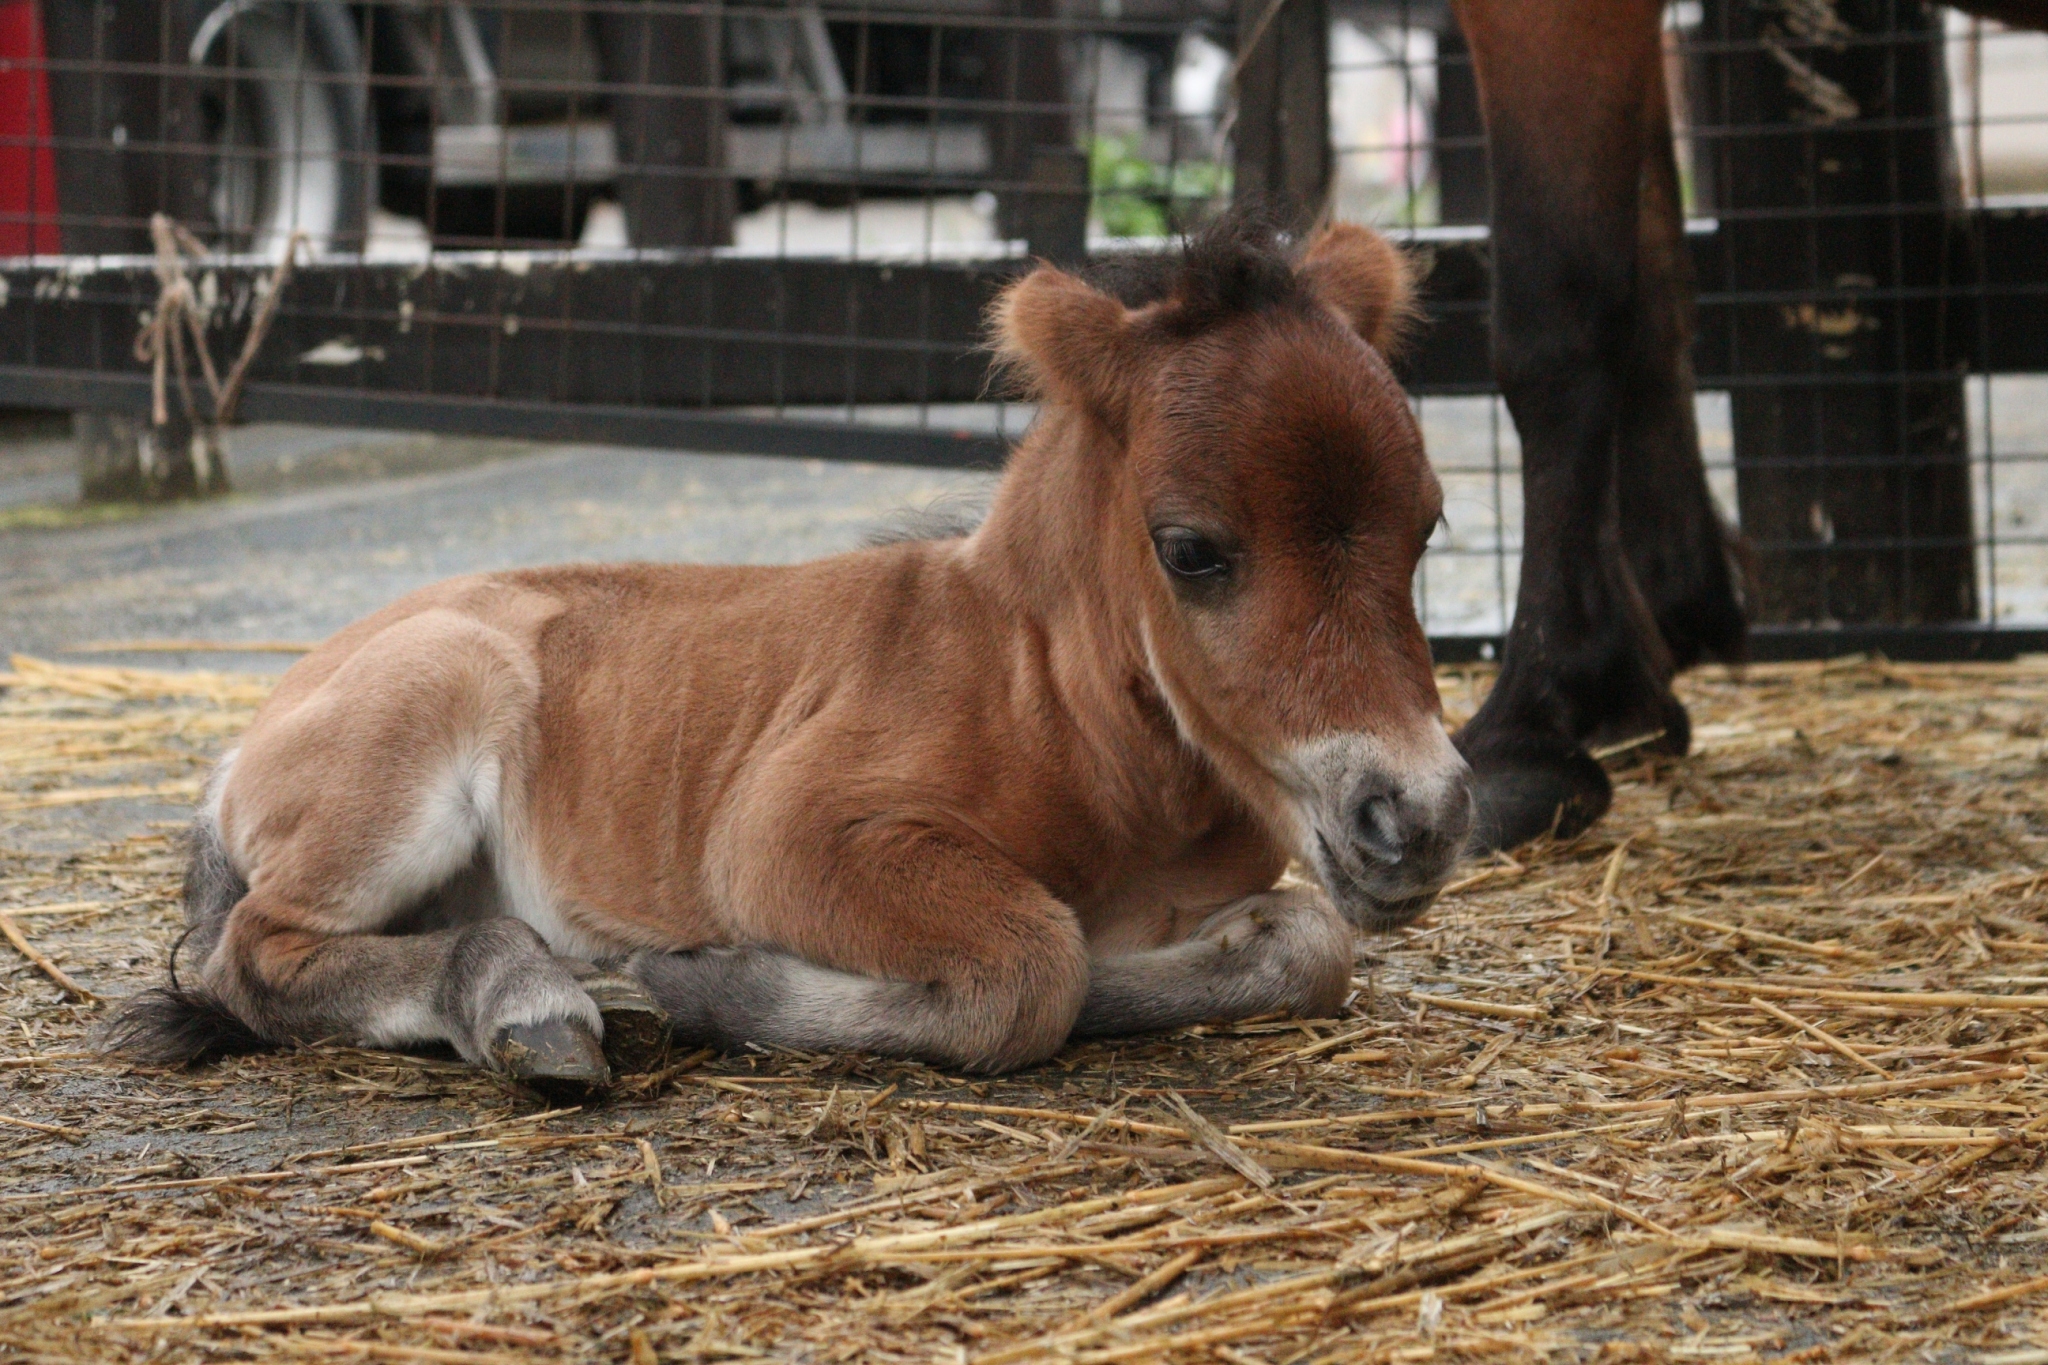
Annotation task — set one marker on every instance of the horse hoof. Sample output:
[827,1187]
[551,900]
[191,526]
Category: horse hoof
[636,1030]
[551,1052]
[1526,786]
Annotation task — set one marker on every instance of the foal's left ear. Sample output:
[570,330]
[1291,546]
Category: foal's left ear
[1067,341]
[1366,279]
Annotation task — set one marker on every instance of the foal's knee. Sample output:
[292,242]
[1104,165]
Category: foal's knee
[1028,1010]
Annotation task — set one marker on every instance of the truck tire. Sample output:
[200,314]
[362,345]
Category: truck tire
[292,147]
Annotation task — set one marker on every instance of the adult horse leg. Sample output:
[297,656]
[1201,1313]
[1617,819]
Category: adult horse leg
[1567,138]
[1282,951]
[1678,546]
[348,814]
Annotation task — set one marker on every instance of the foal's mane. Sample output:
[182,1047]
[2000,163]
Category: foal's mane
[946,517]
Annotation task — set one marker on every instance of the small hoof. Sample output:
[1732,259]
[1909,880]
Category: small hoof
[551,1052]
[636,1030]
[1525,786]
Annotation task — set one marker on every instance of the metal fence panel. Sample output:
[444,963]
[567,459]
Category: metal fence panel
[774,227]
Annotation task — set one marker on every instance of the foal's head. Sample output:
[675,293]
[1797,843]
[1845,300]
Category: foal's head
[1268,501]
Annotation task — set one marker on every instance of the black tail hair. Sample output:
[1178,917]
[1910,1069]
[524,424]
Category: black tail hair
[173,1025]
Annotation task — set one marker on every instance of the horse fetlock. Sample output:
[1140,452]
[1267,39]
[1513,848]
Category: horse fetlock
[1699,603]
[1659,725]
[1285,950]
[500,978]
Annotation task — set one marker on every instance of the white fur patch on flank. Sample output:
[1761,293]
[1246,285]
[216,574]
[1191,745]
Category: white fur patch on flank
[454,812]
[526,894]
[217,786]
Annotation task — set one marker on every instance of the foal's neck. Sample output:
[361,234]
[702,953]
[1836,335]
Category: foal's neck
[1058,548]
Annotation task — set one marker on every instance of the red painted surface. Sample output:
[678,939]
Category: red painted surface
[28,171]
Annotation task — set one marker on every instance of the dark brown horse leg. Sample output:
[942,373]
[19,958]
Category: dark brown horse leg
[1566,89]
[1678,546]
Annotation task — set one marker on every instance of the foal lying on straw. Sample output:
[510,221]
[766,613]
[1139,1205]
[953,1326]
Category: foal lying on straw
[955,799]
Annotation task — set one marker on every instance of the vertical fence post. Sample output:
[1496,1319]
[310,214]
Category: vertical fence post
[1026,61]
[1283,105]
[124,109]
[1825,130]
[1054,215]
[670,122]
[116,121]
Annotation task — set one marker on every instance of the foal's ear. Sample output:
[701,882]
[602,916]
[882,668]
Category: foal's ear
[1366,279]
[1066,341]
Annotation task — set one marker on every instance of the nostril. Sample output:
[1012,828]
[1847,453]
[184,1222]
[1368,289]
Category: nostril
[1379,828]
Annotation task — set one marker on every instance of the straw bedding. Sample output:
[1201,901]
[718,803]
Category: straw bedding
[1753,1070]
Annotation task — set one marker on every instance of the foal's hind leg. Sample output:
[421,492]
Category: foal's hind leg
[1283,951]
[342,814]
[491,990]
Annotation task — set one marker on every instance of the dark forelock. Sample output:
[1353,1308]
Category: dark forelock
[1239,264]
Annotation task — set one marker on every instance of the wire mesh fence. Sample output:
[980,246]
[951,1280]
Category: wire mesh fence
[773,226]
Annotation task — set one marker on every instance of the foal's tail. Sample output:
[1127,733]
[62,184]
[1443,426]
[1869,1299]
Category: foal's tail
[175,1025]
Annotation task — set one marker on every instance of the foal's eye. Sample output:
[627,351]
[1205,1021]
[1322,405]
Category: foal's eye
[1189,554]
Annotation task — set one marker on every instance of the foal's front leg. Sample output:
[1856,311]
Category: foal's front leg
[872,936]
[1281,951]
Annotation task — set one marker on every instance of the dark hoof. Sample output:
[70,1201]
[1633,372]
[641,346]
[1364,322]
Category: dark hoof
[1528,785]
[552,1052]
[636,1030]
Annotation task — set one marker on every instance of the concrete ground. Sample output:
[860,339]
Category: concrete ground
[326,525]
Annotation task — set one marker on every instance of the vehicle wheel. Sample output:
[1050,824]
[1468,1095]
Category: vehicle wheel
[291,147]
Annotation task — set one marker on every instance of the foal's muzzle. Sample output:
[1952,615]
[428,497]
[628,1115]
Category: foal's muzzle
[1387,834]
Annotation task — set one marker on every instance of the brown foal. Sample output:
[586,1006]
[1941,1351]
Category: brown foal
[956,799]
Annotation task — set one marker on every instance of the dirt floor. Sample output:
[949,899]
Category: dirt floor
[1753,1070]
